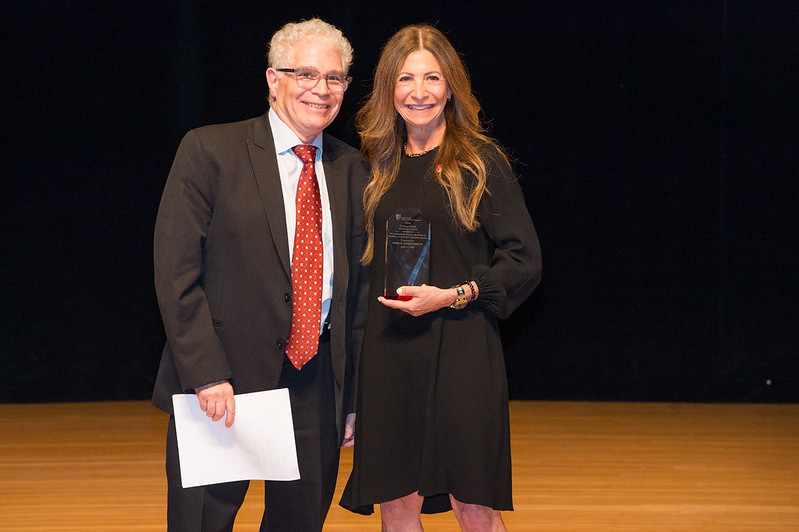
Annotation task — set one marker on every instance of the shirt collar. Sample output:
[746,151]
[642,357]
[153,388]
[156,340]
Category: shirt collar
[284,137]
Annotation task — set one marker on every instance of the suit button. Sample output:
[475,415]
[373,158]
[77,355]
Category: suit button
[280,344]
[287,296]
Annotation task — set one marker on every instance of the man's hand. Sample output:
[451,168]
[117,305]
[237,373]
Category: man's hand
[349,431]
[216,400]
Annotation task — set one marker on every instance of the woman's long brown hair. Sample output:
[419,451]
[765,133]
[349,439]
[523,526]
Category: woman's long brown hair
[383,133]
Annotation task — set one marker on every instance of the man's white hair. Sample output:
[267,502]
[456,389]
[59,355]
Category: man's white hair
[282,43]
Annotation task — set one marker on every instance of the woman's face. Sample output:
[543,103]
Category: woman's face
[421,93]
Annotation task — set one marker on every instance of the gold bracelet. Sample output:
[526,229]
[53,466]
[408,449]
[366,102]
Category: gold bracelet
[460,300]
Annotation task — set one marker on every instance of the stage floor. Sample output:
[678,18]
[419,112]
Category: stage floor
[642,467]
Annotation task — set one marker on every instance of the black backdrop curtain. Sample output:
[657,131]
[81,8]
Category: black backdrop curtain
[656,143]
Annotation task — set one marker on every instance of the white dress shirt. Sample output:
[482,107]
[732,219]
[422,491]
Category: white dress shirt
[290,166]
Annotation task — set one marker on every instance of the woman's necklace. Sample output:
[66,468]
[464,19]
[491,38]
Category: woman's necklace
[405,147]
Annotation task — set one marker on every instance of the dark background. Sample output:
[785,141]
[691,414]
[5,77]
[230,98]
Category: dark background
[656,143]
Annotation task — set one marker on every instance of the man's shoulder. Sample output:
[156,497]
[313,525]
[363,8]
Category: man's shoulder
[227,128]
[338,146]
[339,152]
[229,137]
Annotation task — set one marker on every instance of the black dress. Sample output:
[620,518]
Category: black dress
[432,412]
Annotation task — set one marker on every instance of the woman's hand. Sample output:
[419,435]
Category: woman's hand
[424,299]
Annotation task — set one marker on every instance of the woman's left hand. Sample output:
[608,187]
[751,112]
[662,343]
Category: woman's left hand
[424,299]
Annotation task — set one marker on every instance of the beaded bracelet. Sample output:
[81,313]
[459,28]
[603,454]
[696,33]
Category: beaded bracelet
[471,287]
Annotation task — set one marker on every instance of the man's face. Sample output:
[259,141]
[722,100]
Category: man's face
[306,110]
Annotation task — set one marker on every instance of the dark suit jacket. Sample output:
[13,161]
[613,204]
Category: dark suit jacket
[222,271]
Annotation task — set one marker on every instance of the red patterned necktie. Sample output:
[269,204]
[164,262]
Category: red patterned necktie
[306,264]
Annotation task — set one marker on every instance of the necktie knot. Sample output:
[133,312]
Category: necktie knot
[306,153]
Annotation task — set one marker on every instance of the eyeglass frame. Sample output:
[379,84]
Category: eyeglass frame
[346,80]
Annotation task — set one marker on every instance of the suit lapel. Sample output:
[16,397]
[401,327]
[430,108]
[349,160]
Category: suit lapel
[264,164]
[337,184]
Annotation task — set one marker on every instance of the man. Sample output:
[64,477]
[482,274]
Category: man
[231,277]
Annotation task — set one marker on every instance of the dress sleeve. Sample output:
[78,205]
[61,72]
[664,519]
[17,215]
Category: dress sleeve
[513,269]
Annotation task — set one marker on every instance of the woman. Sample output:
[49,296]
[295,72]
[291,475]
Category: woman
[432,417]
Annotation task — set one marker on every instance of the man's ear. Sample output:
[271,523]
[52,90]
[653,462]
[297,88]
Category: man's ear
[271,81]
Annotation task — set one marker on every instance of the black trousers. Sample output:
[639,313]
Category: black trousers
[295,506]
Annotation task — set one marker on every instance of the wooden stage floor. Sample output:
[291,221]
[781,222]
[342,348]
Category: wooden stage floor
[644,467]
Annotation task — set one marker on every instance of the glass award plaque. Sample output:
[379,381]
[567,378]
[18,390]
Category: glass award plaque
[407,251]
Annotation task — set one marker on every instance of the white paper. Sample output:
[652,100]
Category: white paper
[259,445]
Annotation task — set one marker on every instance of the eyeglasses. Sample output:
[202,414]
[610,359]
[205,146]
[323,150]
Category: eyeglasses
[429,80]
[307,78]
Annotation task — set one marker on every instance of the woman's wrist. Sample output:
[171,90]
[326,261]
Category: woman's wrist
[460,297]
[473,291]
